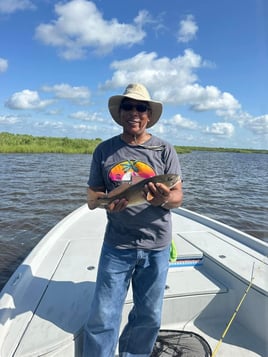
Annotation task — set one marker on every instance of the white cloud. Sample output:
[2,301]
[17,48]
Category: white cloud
[188,29]
[163,76]
[80,95]
[105,131]
[53,112]
[3,65]
[172,81]
[184,122]
[26,99]
[220,129]
[211,98]
[9,119]
[143,18]
[258,125]
[89,128]
[80,25]
[10,6]
[86,116]
[50,124]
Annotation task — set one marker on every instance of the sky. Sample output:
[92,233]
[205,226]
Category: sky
[207,61]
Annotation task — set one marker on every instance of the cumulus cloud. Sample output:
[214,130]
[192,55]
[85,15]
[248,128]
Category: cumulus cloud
[187,30]
[80,25]
[50,124]
[163,76]
[211,98]
[10,6]
[172,80]
[27,99]
[221,129]
[88,128]
[9,119]
[3,65]
[184,122]
[86,116]
[53,112]
[80,95]
[258,125]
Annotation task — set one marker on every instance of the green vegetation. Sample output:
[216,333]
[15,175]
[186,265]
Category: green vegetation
[16,143]
[185,149]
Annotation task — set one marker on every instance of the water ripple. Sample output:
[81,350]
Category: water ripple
[37,190]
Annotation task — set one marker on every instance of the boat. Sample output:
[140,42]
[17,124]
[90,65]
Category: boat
[216,290]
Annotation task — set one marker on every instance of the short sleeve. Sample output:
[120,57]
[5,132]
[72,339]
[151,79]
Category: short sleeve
[95,173]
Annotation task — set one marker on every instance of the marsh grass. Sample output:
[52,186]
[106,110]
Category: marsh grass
[16,143]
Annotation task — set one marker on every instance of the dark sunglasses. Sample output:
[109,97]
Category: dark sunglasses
[141,108]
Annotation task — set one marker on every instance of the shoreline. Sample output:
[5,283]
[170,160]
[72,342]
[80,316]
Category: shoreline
[24,144]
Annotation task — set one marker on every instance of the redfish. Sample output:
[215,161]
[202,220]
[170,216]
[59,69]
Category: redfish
[134,193]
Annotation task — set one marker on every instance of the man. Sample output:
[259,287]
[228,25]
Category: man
[137,239]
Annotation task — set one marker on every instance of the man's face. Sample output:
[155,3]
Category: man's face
[134,116]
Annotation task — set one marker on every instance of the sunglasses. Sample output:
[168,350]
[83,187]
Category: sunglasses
[141,108]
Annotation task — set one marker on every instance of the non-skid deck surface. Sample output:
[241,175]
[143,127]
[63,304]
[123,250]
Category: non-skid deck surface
[63,309]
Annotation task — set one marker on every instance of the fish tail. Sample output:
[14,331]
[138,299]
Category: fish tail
[98,203]
[92,204]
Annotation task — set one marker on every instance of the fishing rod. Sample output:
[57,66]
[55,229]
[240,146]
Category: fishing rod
[234,314]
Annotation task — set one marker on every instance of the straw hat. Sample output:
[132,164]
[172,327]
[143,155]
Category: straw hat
[138,92]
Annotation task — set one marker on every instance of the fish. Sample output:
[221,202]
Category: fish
[134,193]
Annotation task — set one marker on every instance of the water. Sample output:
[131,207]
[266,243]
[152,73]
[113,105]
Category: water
[37,190]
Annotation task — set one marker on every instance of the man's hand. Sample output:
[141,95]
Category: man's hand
[117,205]
[163,196]
[158,192]
[93,195]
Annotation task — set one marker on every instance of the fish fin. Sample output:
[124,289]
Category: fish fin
[123,187]
[136,179]
[99,202]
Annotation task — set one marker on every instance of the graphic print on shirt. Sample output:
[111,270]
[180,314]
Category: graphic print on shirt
[130,171]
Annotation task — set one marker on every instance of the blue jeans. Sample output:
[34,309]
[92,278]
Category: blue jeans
[117,267]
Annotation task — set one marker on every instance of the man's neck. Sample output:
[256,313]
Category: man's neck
[137,139]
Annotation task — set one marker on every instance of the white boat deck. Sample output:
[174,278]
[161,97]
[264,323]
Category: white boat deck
[46,302]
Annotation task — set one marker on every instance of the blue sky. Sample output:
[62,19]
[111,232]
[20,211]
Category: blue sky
[207,61]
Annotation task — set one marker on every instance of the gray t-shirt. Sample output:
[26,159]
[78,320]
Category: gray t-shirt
[114,162]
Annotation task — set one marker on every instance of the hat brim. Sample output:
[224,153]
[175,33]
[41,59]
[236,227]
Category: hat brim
[114,108]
